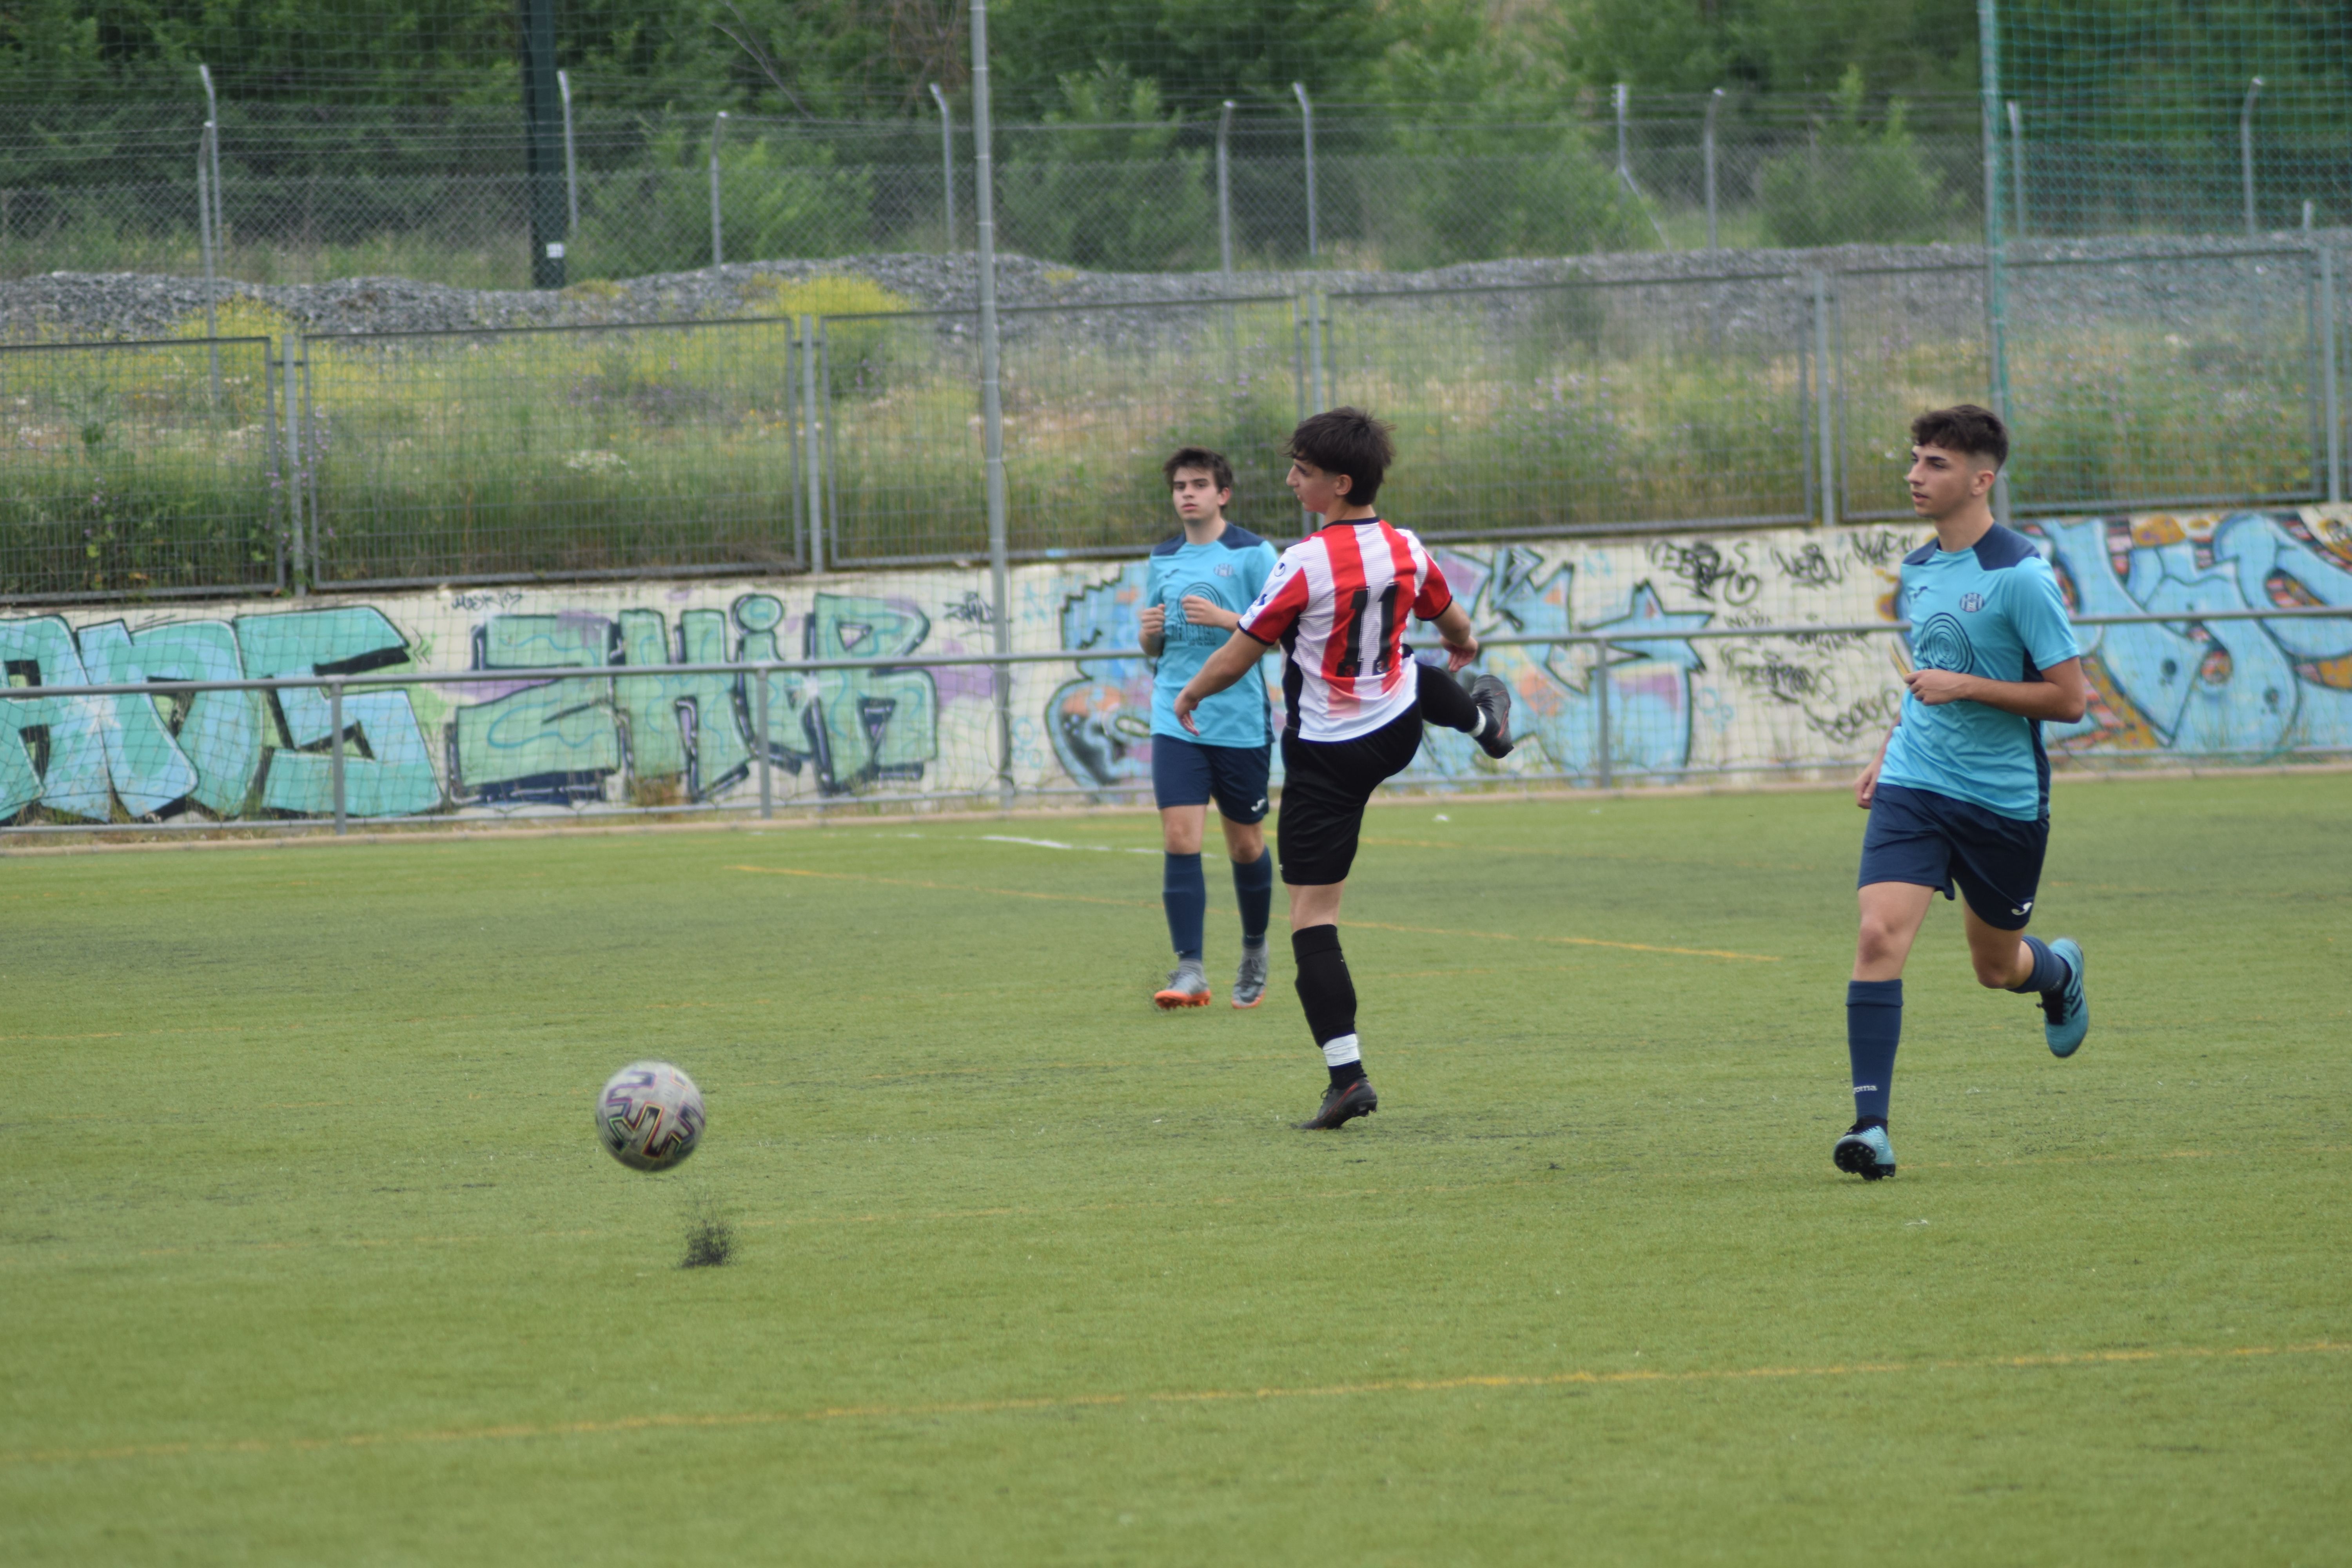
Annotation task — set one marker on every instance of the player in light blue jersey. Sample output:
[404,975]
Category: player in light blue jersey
[1959,792]
[1200,581]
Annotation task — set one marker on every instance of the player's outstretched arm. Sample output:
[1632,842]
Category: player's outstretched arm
[1454,631]
[2060,696]
[1222,669]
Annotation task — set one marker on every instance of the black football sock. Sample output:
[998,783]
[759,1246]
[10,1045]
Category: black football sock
[1873,1027]
[1253,892]
[1446,702]
[1329,994]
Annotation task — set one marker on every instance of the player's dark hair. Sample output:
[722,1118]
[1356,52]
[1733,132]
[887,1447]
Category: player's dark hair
[1963,428]
[1347,441]
[1200,457]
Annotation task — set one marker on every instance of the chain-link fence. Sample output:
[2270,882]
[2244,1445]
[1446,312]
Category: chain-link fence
[311,192]
[854,439]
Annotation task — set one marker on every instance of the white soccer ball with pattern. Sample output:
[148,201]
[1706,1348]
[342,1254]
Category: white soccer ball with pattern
[650,1116]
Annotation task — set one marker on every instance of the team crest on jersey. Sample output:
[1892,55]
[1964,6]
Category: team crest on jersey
[1225,571]
[1971,603]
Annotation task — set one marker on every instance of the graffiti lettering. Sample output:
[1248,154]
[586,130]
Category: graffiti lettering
[1809,568]
[1708,571]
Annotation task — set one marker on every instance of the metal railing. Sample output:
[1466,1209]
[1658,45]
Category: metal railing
[325,750]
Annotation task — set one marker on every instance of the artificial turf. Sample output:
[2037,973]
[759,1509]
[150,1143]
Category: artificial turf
[308,1253]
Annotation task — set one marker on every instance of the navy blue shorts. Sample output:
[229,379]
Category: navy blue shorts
[1931,840]
[1186,773]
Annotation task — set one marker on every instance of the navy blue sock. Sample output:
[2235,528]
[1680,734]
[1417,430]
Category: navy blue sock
[1873,1026]
[1186,896]
[1254,890]
[2050,971]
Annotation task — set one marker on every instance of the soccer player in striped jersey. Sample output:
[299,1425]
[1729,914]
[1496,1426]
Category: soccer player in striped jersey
[1355,701]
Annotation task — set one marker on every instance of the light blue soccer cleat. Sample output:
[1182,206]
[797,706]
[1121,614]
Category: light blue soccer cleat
[2066,1015]
[1864,1151]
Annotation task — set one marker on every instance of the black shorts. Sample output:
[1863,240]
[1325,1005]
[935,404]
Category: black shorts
[1188,773]
[1325,786]
[1932,840]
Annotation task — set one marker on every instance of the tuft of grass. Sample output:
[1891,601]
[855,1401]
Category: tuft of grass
[710,1237]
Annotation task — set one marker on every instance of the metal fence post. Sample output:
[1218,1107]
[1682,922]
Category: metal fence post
[212,114]
[1306,114]
[794,412]
[571,156]
[275,458]
[760,727]
[310,464]
[1825,428]
[2333,411]
[335,753]
[718,250]
[825,538]
[1225,192]
[1995,245]
[814,466]
[2017,163]
[293,474]
[1622,98]
[2246,149]
[946,162]
[992,402]
[1315,304]
[1714,103]
[205,232]
[1600,684]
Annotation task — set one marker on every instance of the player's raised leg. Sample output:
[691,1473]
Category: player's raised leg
[2006,959]
[1482,712]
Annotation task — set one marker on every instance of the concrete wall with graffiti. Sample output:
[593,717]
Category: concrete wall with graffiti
[624,734]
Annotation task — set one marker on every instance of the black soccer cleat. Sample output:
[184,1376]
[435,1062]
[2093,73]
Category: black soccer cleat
[1494,700]
[1342,1105]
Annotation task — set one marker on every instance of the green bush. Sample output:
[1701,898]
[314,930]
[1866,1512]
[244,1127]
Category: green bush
[1856,184]
[1462,199]
[778,196]
[1112,193]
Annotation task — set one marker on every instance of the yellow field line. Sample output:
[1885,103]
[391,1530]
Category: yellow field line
[1498,1381]
[1577,942]
[1367,925]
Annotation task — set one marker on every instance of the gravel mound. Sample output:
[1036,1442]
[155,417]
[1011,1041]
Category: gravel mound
[126,305]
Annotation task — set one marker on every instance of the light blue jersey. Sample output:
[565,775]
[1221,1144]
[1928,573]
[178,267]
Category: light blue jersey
[1993,610]
[1229,571]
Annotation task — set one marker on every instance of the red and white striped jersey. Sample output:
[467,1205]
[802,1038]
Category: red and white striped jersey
[1337,604]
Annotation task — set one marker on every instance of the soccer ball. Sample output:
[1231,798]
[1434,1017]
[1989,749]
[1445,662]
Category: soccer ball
[650,1116]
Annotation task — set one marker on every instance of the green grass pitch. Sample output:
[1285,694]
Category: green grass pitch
[309,1255]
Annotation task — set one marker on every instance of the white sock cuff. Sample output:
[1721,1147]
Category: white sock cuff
[1338,1053]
